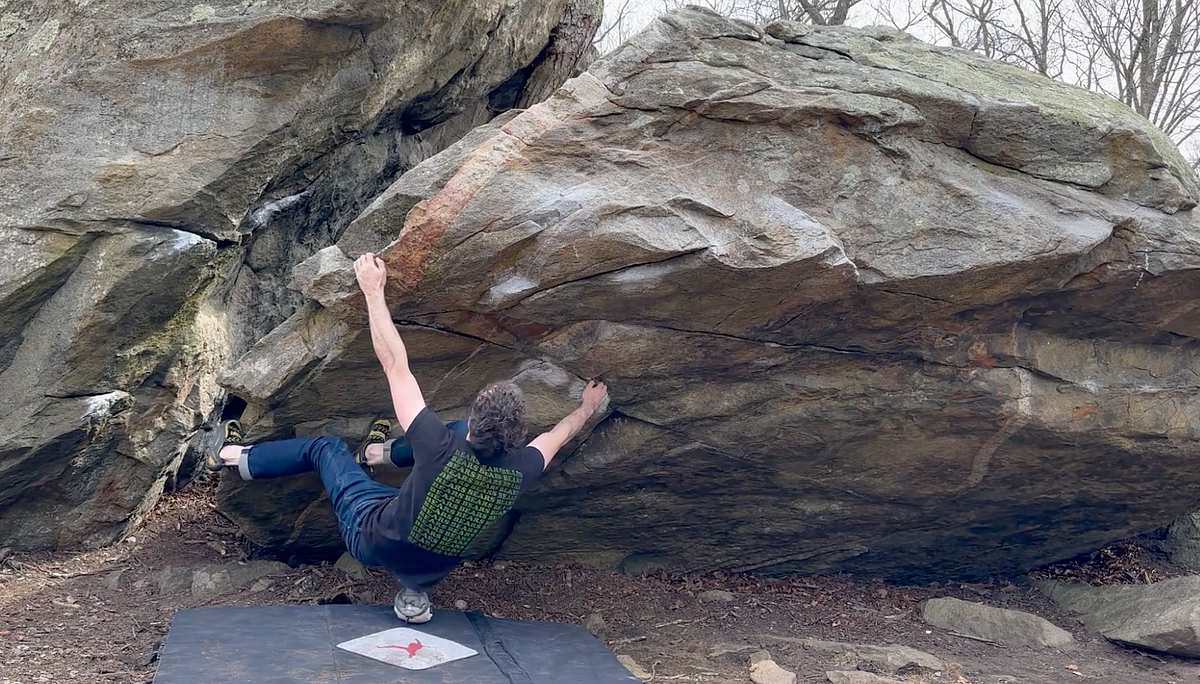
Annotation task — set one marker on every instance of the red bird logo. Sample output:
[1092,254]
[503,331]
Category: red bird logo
[411,648]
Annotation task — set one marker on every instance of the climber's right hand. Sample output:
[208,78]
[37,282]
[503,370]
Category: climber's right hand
[371,274]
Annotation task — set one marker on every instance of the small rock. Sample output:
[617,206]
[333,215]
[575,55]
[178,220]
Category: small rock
[500,565]
[759,656]
[353,567]
[366,598]
[460,605]
[1011,627]
[594,623]
[856,677]
[114,580]
[768,672]
[171,580]
[214,580]
[261,584]
[716,596]
[151,657]
[889,659]
[634,669]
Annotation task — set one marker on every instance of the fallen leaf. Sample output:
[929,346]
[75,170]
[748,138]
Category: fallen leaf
[1072,667]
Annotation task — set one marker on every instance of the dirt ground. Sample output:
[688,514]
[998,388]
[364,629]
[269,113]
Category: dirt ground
[99,616]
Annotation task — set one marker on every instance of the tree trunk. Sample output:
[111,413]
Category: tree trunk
[570,43]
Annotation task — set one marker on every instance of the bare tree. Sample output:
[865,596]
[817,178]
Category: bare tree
[900,16]
[1031,33]
[1152,50]
[968,24]
[617,26]
[819,12]
[1039,38]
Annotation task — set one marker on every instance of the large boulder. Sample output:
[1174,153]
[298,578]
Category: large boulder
[164,166]
[862,304]
[1164,616]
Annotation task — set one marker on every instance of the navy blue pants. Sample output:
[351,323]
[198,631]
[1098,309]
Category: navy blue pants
[352,492]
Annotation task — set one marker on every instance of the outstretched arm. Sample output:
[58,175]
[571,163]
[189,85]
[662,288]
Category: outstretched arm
[549,443]
[389,348]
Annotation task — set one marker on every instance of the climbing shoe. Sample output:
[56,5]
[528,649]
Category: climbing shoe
[413,607]
[378,434]
[231,433]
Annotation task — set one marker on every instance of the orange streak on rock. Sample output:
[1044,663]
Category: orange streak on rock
[409,258]
[1084,411]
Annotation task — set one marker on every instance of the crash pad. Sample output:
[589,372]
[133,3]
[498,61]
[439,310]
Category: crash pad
[299,645]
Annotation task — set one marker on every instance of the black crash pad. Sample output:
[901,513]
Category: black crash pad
[298,645]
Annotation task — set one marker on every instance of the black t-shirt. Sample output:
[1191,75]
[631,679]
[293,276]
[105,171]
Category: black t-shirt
[450,496]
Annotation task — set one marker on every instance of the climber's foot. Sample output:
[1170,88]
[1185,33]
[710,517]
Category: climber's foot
[377,435]
[413,607]
[231,443]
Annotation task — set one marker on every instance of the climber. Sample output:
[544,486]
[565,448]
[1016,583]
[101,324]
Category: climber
[463,479]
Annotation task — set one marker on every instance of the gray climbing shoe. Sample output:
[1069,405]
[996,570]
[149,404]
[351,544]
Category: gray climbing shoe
[413,607]
[378,434]
[231,434]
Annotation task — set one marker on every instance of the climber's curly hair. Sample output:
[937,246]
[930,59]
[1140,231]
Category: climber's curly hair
[497,422]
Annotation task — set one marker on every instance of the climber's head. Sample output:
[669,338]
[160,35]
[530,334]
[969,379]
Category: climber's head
[497,422]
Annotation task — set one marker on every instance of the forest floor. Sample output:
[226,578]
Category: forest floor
[101,616]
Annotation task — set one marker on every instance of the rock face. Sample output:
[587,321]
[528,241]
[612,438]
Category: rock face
[862,304]
[164,167]
[1182,541]
[1164,616]
[1011,627]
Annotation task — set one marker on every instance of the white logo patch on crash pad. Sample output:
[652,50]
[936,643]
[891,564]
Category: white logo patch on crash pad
[408,648]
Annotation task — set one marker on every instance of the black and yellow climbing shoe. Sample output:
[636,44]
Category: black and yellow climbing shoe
[231,434]
[378,434]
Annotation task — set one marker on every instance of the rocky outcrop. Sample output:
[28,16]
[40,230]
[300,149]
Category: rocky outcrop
[862,305]
[1164,616]
[165,165]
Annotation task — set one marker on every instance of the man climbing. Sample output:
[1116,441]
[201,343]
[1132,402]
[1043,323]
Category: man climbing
[462,480]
